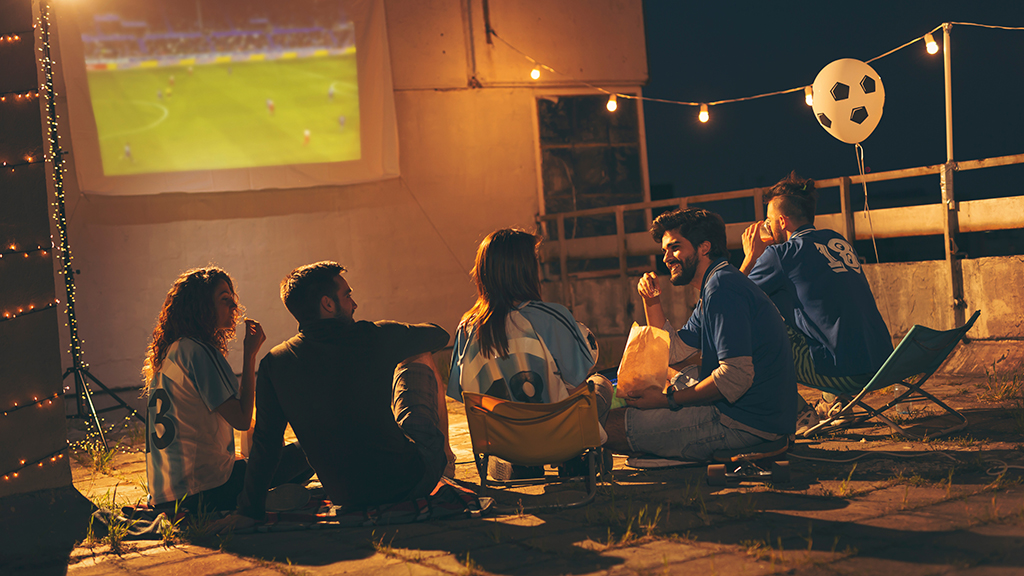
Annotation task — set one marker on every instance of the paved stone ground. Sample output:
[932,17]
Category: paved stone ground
[904,507]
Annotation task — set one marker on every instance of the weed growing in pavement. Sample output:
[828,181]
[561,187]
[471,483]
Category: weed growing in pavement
[844,486]
[470,566]
[744,507]
[196,523]
[999,387]
[379,545]
[97,456]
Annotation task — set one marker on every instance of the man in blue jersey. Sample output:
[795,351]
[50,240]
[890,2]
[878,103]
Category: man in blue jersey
[747,389]
[815,279]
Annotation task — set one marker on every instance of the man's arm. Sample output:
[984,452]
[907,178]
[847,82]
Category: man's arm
[403,341]
[266,446]
[753,247]
[651,294]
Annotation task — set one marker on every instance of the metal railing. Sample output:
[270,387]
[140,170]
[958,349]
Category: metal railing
[947,217]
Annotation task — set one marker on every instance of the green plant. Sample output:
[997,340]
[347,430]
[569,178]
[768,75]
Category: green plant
[648,522]
[998,387]
[99,457]
[195,525]
[844,486]
[470,566]
[169,526]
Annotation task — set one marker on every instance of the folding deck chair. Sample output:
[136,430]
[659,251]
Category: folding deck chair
[921,352]
[534,435]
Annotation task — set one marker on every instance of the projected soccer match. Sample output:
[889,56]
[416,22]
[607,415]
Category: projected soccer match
[217,84]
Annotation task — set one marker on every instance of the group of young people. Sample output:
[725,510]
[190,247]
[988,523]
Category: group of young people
[366,400]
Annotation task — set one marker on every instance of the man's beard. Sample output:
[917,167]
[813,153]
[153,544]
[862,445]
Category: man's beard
[687,270]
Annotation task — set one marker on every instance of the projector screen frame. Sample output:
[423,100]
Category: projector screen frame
[378,126]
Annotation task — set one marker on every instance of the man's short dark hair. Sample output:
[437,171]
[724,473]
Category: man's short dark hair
[303,288]
[797,198]
[697,226]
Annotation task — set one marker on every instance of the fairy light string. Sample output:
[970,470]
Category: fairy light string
[538,65]
[50,458]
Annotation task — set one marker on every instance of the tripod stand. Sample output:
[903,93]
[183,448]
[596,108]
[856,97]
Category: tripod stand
[85,407]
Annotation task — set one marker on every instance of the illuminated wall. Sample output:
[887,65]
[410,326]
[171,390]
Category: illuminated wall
[469,161]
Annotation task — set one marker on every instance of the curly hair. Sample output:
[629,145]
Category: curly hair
[189,311]
[697,226]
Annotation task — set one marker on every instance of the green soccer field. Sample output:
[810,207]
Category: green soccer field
[217,116]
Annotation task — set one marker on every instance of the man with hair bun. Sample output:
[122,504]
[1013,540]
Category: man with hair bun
[816,280]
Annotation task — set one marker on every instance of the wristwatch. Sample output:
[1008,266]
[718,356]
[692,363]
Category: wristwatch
[670,396]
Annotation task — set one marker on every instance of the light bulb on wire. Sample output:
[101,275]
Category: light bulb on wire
[535,73]
[703,116]
[809,95]
[929,44]
[613,103]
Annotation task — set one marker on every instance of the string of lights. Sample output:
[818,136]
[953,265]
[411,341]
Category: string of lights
[36,401]
[26,310]
[14,36]
[18,95]
[57,155]
[51,457]
[931,46]
[13,250]
[26,162]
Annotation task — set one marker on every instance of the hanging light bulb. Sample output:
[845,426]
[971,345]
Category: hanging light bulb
[703,116]
[535,73]
[809,95]
[929,43]
[613,103]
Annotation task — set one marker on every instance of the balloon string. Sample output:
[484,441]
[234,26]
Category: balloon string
[859,151]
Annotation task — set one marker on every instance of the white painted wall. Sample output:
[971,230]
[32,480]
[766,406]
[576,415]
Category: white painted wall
[468,165]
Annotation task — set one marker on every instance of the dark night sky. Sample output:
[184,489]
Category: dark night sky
[720,50]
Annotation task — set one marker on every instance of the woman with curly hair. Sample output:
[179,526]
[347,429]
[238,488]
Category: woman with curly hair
[194,396]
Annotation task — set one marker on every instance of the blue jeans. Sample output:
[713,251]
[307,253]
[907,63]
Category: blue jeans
[692,433]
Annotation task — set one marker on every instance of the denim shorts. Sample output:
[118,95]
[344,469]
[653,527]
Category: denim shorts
[692,433]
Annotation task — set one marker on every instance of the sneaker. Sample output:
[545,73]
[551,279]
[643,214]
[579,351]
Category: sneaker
[805,420]
[503,471]
[826,410]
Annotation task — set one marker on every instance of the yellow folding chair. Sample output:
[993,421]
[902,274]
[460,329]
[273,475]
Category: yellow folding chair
[534,435]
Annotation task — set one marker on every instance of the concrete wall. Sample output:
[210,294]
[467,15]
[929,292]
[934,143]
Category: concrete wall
[468,165]
[907,293]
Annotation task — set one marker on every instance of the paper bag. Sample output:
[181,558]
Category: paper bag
[644,362]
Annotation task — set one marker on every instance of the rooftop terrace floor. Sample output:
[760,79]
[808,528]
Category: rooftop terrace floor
[906,507]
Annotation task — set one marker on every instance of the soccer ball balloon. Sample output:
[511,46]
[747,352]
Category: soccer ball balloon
[591,341]
[848,99]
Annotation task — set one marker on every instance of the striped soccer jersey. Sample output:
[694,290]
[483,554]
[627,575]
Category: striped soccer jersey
[189,447]
[547,352]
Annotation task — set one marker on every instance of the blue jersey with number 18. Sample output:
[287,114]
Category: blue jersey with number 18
[817,283]
[189,446]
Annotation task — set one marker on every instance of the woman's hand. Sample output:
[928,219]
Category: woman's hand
[254,338]
[648,286]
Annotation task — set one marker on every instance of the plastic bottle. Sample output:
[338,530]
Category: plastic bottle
[903,408]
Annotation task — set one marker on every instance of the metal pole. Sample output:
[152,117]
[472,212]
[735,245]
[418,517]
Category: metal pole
[947,70]
[951,226]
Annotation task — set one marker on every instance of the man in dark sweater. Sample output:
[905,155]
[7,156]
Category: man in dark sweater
[373,434]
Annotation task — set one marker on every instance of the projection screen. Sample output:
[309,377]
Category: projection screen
[219,95]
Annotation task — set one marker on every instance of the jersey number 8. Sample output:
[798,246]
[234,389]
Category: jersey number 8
[847,258]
